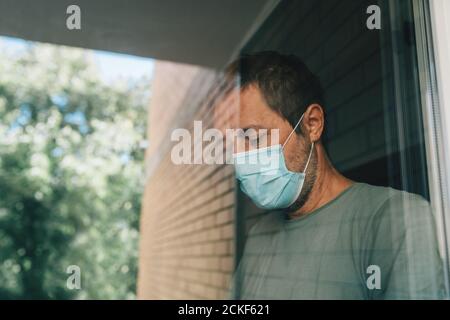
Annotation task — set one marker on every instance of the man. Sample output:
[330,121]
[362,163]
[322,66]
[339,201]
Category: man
[324,236]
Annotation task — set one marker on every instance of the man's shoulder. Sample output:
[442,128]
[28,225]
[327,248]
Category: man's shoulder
[394,207]
[368,202]
[380,199]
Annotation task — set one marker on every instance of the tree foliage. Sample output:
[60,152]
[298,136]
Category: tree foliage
[71,162]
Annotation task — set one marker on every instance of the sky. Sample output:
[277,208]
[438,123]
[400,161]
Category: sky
[111,65]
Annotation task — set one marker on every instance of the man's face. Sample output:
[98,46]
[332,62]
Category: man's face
[254,113]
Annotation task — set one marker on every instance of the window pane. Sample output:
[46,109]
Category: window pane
[374,135]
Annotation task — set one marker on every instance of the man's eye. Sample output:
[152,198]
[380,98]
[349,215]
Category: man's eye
[254,141]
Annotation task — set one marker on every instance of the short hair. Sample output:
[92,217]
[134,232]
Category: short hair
[286,83]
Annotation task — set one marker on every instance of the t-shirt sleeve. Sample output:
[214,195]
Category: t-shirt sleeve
[404,249]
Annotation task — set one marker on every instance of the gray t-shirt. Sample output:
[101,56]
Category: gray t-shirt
[368,243]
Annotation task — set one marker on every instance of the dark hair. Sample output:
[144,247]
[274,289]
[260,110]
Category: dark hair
[287,85]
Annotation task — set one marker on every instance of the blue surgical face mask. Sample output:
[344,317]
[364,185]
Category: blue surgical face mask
[264,177]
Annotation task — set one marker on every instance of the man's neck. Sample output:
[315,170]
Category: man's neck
[328,185]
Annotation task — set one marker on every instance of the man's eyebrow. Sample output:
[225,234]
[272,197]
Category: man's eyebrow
[253,126]
[260,131]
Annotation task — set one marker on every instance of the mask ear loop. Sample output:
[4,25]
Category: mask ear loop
[309,157]
[290,134]
[312,143]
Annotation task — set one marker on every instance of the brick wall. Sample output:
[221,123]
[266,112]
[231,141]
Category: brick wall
[186,247]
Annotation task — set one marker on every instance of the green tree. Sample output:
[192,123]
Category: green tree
[71,176]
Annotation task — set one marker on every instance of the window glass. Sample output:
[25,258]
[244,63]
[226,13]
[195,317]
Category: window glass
[374,135]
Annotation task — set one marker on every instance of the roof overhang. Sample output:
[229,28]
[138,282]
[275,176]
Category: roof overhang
[201,32]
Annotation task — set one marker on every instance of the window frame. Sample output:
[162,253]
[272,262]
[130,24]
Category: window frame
[433,54]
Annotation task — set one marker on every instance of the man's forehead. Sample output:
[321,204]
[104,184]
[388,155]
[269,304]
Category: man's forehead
[254,112]
[246,108]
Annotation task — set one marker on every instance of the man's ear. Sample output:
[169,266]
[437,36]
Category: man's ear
[314,122]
